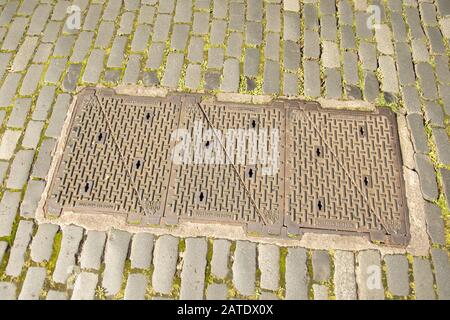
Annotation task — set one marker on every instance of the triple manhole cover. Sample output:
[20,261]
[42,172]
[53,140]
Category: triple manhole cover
[280,168]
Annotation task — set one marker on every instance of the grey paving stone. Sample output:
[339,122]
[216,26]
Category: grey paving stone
[215,58]
[291,26]
[397,274]
[115,255]
[15,33]
[195,49]
[202,4]
[362,31]
[8,12]
[371,89]
[92,251]
[33,284]
[193,76]
[442,272]
[136,287]
[132,70]
[445,182]
[8,209]
[230,82]
[3,246]
[268,296]
[18,249]
[193,272]
[330,55]
[320,292]
[423,280]
[405,66]
[255,10]
[220,9]
[92,17]
[51,32]
[60,10]
[212,80]
[4,61]
[237,16]
[387,68]
[3,169]
[141,251]
[112,10]
[234,45]
[440,138]
[8,89]
[146,14]
[8,144]
[183,11]
[85,285]
[7,291]
[81,47]
[56,295]
[420,50]
[219,261]
[351,68]
[126,23]
[269,265]
[32,196]
[428,13]
[20,169]
[155,55]
[333,83]
[444,93]
[117,53]
[44,103]
[165,261]
[290,84]
[345,13]
[291,56]
[312,78]
[58,116]
[70,243]
[296,274]
[251,61]
[443,7]
[367,54]
[418,136]
[273,17]
[24,54]
[32,134]
[442,69]
[328,30]
[368,275]
[216,292]
[348,39]
[173,70]
[414,23]
[179,38]
[104,34]
[166,6]
[433,113]
[42,244]
[253,35]
[327,6]
[384,39]
[344,275]
[435,39]
[71,79]
[161,28]
[55,70]
[42,163]
[321,265]
[271,77]
[64,46]
[398,27]
[310,16]
[311,47]
[31,80]
[150,78]
[218,29]
[427,177]
[140,38]
[201,23]
[244,268]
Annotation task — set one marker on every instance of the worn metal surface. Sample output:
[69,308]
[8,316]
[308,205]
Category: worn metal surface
[325,170]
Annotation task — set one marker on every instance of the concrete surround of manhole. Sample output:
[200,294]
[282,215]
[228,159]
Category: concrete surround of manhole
[102,221]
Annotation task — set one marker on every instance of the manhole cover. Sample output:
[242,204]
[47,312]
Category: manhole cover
[278,169]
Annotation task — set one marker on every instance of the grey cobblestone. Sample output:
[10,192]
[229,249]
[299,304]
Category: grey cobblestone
[193,76]
[161,28]
[230,82]
[8,144]
[92,251]
[219,261]
[423,279]
[384,39]
[44,103]
[183,11]
[427,177]
[32,134]
[8,209]
[312,78]
[215,58]
[195,49]
[441,140]
[328,30]
[268,263]
[31,80]
[64,46]
[112,10]
[445,174]
[9,88]
[104,34]
[146,14]
[312,44]
[321,265]
[368,275]
[92,17]
[15,33]
[344,275]
[234,45]
[296,274]
[136,287]
[116,56]
[397,274]
[244,268]
[58,116]
[81,47]
[216,292]
[435,39]
[330,55]
[180,36]
[433,113]
[291,29]
[132,70]
[84,288]
[24,54]
[348,38]
[420,50]
[273,17]
[251,62]
[155,55]
[290,84]
[115,255]
[7,291]
[333,83]
[20,169]
[71,238]
[8,12]
[387,68]
[237,16]
[320,292]
[56,295]
[427,80]
[51,32]
[442,272]
[42,164]
[165,261]
[71,79]
[3,246]
[271,83]
[173,70]
[212,80]
[398,27]
[140,38]
[218,29]
[33,283]
[415,123]
[405,66]
[193,273]
[17,255]
[32,196]
[141,251]
[126,23]
[291,56]
[42,244]
[55,70]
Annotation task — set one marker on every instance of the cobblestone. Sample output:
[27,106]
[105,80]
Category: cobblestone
[296,274]
[244,268]
[42,244]
[32,196]
[423,279]
[7,291]
[368,275]
[141,251]
[165,260]
[71,238]
[84,288]
[428,183]
[397,274]
[17,255]
[33,284]
[442,272]
[8,209]
[193,273]
[136,287]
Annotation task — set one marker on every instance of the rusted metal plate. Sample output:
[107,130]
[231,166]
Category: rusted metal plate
[281,168]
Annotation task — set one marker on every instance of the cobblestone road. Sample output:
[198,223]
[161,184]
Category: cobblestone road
[310,48]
